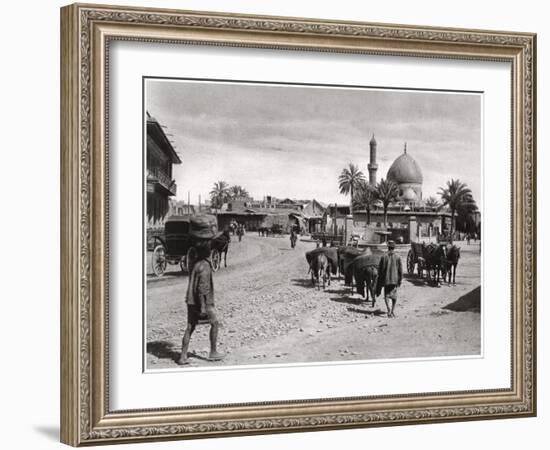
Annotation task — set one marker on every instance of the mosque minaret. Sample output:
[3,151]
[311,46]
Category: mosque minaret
[373,166]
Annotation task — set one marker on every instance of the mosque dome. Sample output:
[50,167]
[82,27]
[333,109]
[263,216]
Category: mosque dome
[405,170]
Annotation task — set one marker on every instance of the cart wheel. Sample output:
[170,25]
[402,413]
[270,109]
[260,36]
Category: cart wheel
[410,262]
[191,258]
[216,260]
[159,260]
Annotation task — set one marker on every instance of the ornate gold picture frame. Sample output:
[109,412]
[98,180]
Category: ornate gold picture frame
[87,31]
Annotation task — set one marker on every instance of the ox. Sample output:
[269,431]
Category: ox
[319,267]
[330,252]
[365,272]
[346,255]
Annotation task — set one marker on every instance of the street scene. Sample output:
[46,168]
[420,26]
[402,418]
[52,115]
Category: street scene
[272,314]
[274,239]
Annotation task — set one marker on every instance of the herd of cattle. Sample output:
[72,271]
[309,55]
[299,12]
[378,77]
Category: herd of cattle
[360,267]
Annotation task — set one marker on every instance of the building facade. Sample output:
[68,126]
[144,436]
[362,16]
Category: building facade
[303,215]
[181,208]
[161,157]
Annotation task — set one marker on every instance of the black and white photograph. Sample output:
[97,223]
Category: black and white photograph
[292,223]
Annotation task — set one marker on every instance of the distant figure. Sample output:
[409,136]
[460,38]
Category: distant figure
[200,303]
[293,237]
[390,274]
[240,232]
[468,238]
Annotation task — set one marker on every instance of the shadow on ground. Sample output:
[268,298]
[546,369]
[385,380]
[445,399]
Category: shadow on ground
[303,282]
[151,277]
[349,300]
[367,312]
[417,281]
[468,302]
[162,349]
[196,355]
[414,279]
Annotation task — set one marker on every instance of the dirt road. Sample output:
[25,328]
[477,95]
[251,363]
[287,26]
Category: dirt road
[270,313]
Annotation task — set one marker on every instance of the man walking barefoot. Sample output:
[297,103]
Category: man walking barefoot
[390,274]
[200,303]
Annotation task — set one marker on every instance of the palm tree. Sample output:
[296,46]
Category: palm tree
[453,196]
[365,198]
[465,215]
[387,192]
[237,191]
[433,203]
[349,180]
[219,194]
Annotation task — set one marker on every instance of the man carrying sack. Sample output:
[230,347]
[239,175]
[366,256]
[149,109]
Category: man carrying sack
[200,290]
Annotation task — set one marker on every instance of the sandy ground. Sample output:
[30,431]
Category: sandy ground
[270,313]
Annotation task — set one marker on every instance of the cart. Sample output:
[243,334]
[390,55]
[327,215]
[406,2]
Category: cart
[178,244]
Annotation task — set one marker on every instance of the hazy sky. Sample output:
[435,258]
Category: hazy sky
[293,141]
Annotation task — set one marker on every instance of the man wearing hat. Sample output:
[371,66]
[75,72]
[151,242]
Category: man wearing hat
[200,290]
[390,274]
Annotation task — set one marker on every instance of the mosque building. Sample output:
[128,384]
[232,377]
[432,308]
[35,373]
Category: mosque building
[409,219]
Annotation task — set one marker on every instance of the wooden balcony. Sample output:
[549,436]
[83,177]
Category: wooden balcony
[158,181]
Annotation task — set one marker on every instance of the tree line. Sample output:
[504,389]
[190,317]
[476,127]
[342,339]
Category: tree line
[455,195]
[222,192]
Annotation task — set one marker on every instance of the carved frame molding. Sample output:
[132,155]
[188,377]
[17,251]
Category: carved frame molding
[86,32]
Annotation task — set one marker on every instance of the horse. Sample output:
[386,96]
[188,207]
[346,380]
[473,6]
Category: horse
[319,267]
[221,244]
[436,261]
[453,255]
